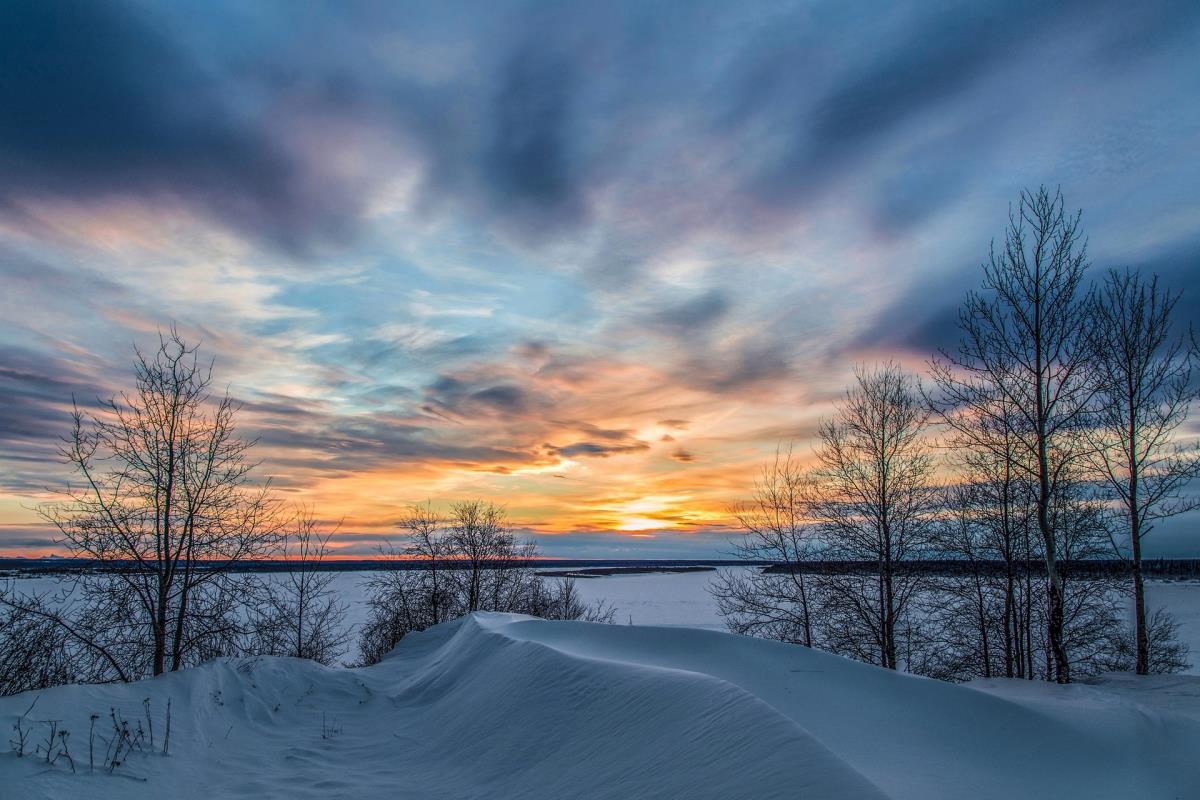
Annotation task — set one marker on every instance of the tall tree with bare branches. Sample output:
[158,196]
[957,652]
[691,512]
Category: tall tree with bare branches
[783,604]
[165,504]
[1144,368]
[873,499]
[1025,347]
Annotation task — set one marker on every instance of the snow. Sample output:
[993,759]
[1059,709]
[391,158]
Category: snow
[657,598]
[1182,599]
[498,705]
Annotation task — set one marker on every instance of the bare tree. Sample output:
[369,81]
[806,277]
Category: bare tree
[299,613]
[494,561]
[1025,349]
[873,499]
[166,507]
[468,560]
[398,604]
[1167,652]
[1146,391]
[429,541]
[45,645]
[964,609]
[1092,605]
[968,611]
[993,516]
[406,600]
[559,599]
[37,652]
[777,605]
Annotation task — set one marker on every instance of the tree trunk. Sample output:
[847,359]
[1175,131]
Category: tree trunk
[1139,608]
[983,626]
[1142,665]
[804,610]
[889,605]
[1029,626]
[1054,621]
[1062,667]
[1009,620]
[160,625]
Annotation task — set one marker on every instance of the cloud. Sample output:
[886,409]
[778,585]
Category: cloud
[521,119]
[32,540]
[1176,265]
[104,101]
[598,449]
[923,319]
[696,314]
[37,394]
[471,394]
[747,363]
[329,444]
[515,251]
[527,160]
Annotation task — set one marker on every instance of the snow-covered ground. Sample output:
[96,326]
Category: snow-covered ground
[500,706]
[1181,598]
[680,598]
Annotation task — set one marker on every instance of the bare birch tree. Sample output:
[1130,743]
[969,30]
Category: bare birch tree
[428,541]
[1001,505]
[1025,349]
[964,610]
[1145,372]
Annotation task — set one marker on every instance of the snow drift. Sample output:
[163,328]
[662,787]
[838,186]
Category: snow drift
[503,706]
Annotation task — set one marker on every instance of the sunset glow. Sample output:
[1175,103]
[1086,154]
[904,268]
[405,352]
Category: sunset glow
[596,274]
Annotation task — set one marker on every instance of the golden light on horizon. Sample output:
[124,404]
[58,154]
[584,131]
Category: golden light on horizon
[644,524]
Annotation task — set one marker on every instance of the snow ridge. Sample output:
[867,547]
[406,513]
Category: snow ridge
[504,706]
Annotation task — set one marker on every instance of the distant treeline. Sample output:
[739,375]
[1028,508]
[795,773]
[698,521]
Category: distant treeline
[1096,568]
[1156,568]
[607,566]
[602,571]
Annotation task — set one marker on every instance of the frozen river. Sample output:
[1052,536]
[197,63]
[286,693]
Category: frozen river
[683,599]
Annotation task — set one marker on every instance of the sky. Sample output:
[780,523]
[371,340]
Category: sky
[591,261]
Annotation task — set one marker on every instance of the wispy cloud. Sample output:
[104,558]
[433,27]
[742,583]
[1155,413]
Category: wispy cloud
[590,261]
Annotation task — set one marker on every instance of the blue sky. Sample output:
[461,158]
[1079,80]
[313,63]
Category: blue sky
[590,260]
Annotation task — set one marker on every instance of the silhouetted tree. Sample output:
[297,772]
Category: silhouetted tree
[472,562]
[496,565]
[165,503]
[299,613]
[873,499]
[1025,350]
[776,605]
[1146,390]
[37,651]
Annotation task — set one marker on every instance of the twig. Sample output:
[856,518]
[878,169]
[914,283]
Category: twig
[167,736]
[149,720]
